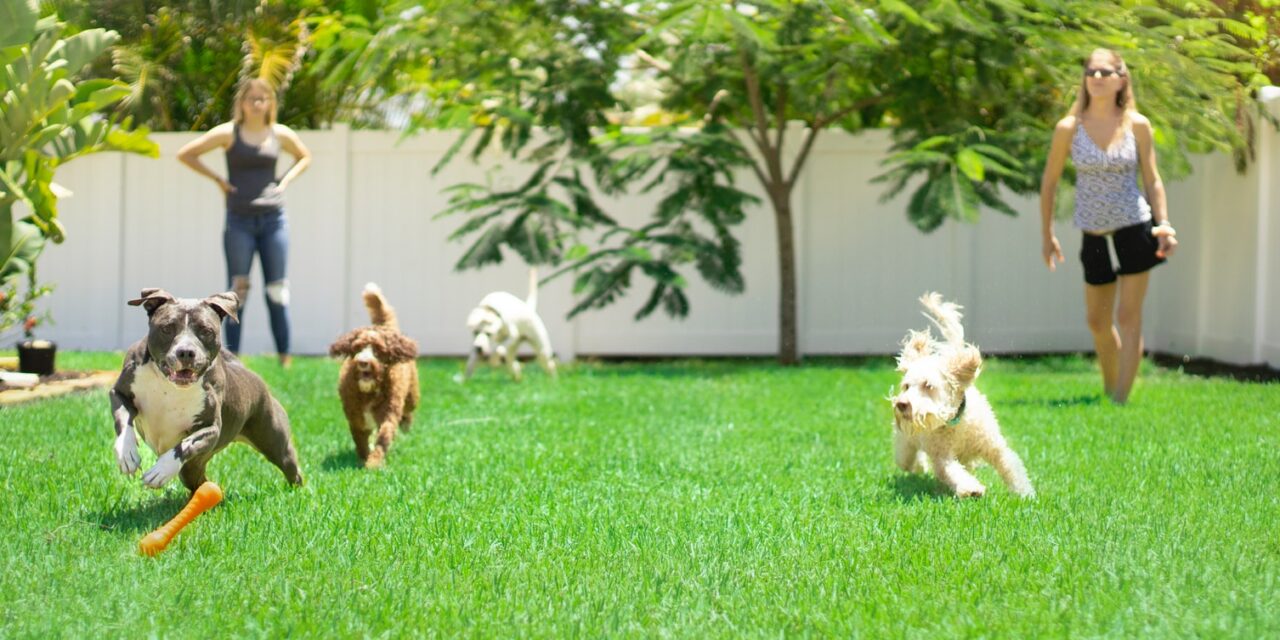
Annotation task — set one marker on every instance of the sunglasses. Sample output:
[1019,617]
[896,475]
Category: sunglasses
[1101,73]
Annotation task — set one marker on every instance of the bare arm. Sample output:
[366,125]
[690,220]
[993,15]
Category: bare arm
[1150,173]
[1163,231]
[189,154]
[1058,151]
[290,142]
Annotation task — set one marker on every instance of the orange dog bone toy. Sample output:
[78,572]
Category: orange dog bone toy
[205,498]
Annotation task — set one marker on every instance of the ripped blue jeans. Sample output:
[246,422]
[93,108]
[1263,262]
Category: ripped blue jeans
[267,235]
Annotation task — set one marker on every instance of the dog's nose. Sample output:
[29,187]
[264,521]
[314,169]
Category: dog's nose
[185,354]
[901,405]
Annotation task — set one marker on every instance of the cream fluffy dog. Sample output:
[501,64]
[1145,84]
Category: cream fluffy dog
[942,421]
[500,323]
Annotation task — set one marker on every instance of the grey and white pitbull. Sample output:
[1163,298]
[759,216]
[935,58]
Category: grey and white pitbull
[188,398]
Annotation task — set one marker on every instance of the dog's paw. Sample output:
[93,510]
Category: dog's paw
[126,449]
[376,460]
[162,471]
[974,490]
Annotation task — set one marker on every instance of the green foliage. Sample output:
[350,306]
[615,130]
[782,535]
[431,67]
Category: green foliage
[971,91]
[48,120]
[1006,89]
[551,72]
[19,287]
[183,60]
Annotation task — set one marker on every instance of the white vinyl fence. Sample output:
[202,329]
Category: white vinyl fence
[365,212]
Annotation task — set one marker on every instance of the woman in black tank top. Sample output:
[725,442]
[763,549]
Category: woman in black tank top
[256,222]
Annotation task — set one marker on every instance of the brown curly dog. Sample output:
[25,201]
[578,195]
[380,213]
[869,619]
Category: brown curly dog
[378,382]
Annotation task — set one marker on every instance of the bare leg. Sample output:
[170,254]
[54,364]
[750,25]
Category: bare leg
[1100,302]
[1133,290]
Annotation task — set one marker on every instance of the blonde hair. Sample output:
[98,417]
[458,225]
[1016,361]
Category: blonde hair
[1124,97]
[237,107]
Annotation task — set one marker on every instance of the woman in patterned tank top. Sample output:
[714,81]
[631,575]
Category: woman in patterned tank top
[1110,142]
[256,222]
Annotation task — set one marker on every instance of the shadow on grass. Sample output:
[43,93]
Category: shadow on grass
[1056,403]
[342,460]
[141,517]
[917,487]
[667,368]
[153,512]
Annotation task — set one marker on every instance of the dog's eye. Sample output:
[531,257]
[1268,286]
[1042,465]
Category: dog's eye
[928,386]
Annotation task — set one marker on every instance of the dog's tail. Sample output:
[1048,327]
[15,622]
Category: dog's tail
[381,313]
[532,300]
[944,315]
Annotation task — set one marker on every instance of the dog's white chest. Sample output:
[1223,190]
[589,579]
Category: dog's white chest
[166,411]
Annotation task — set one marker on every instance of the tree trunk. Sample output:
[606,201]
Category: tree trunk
[788,344]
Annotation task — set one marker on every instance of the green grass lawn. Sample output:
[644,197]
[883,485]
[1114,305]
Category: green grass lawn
[685,499]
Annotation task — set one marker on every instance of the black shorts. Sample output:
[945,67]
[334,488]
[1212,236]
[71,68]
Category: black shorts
[1135,248]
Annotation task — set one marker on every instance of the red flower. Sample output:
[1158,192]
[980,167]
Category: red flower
[30,324]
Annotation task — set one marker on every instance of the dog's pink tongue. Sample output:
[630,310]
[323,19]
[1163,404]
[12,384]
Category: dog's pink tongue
[183,376]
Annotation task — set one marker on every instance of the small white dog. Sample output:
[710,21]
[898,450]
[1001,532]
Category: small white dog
[940,419]
[500,323]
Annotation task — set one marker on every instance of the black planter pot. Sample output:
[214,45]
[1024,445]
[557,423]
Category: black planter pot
[36,356]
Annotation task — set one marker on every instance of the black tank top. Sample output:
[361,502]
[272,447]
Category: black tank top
[252,171]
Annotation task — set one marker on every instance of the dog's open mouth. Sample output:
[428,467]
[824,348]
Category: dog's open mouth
[182,377]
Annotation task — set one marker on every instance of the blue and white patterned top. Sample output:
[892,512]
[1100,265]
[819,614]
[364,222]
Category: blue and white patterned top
[1107,194]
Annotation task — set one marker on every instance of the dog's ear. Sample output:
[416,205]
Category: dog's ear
[964,365]
[916,345]
[476,319]
[152,299]
[344,347]
[401,348]
[226,304]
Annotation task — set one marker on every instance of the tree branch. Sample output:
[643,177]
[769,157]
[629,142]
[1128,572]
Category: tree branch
[809,137]
[823,121]
[817,125]
[757,103]
[780,116]
[711,108]
[772,155]
[755,166]
[644,56]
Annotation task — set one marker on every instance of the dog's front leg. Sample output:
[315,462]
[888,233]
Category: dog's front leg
[956,477]
[195,448]
[359,430]
[388,422]
[123,411]
[508,354]
[906,453]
